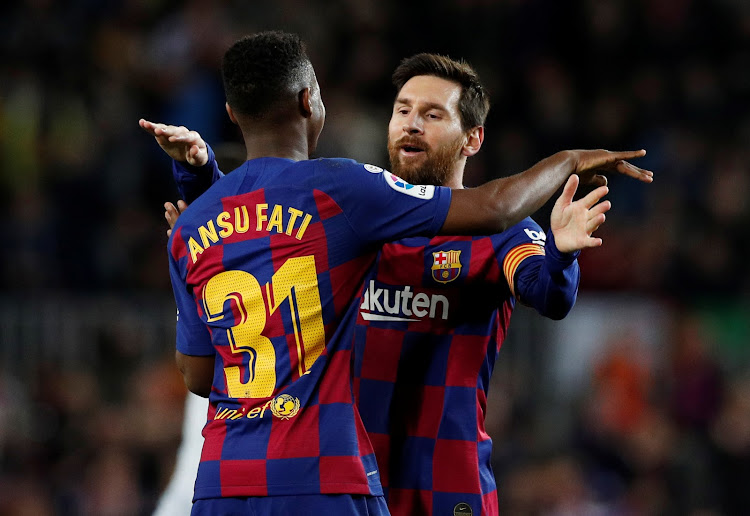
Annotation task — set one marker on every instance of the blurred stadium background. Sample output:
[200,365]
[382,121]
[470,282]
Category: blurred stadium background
[637,403]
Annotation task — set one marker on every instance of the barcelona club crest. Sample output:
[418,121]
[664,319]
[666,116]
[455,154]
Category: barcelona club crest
[446,266]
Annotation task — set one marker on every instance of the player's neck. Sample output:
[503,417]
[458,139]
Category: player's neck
[278,142]
[455,179]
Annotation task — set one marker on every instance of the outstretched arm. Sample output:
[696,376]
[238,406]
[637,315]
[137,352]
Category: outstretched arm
[497,205]
[180,143]
[194,167]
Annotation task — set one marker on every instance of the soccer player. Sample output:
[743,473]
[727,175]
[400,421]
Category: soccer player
[265,266]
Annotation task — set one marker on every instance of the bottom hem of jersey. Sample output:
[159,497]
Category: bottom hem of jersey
[287,490]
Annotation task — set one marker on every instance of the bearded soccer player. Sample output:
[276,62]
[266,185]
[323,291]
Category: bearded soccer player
[277,306]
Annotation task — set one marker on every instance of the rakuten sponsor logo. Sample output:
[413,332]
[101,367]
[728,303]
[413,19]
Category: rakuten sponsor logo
[392,304]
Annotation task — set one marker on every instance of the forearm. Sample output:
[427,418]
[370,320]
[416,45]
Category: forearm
[520,195]
[193,181]
[549,285]
[499,204]
[197,372]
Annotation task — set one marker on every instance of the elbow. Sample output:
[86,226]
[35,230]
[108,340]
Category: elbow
[196,373]
[196,386]
[557,314]
[558,310]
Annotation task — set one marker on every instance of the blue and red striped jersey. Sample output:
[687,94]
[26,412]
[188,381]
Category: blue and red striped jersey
[265,266]
[433,315]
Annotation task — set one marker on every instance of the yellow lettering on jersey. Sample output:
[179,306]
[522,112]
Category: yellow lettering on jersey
[303,227]
[260,215]
[195,249]
[294,214]
[241,226]
[275,221]
[208,232]
[223,222]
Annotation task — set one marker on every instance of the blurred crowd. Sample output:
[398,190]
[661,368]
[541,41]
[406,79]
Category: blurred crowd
[82,188]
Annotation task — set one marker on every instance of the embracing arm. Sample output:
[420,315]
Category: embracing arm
[497,205]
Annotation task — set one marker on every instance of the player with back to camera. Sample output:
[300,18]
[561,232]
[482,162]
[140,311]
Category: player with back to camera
[302,398]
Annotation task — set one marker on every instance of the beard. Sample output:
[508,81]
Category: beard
[434,169]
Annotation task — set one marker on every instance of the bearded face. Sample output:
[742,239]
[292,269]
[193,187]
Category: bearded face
[420,163]
[426,139]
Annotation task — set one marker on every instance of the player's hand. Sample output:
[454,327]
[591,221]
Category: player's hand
[590,164]
[171,212]
[572,223]
[179,143]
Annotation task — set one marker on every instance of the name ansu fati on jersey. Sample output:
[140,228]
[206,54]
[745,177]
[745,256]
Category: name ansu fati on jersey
[292,222]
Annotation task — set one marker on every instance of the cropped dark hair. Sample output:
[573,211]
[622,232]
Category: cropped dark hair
[474,102]
[260,70]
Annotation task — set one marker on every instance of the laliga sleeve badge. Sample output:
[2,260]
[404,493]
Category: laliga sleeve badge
[425,192]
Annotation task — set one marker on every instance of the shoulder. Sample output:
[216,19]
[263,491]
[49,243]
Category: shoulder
[338,165]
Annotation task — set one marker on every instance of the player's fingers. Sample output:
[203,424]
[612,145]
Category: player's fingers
[602,207]
[569,191]
[594,223]
[594,196]
[147,126]
[197,156]
[182,205]
[591,242]
[171,213]
[625,155]
[628,169]
[181,134]
[595,180]
[169,232]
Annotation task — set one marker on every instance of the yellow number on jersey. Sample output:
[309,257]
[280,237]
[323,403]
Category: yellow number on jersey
[297,282]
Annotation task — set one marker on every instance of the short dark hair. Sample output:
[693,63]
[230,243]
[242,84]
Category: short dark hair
[259,70]
[474,102]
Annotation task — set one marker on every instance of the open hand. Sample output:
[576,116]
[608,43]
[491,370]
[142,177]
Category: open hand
[572,223]
[179,143]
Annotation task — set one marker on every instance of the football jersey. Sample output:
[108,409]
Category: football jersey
[264,267]
[432,318]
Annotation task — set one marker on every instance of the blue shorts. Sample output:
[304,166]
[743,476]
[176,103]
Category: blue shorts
[293,505]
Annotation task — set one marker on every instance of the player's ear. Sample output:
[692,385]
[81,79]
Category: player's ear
[474,139]
[231,113]
[305,108]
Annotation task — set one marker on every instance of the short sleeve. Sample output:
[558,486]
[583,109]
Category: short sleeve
[382,207]
[193,337]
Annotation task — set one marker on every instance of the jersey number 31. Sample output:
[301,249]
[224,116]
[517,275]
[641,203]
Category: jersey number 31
[297,282]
